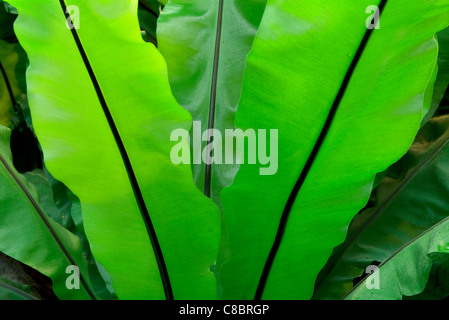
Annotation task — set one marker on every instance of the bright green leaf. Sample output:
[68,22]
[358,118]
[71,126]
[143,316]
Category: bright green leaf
[104,116]
[442,78]
[347,103]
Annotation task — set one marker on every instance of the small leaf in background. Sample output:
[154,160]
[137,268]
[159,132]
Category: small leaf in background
[30,283]
[411,198]
[406,272]
[23,224]
[13,62]
[442,80]
[7,18]
[205,44]
[148,14]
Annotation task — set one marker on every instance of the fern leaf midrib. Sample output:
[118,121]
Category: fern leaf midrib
[127,163]
[213,99]
[311,159]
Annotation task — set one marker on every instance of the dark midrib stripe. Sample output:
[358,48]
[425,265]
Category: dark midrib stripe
[47,224]
[127,163]
[379,210]
[8,86]
[311,160]
[18,292]
[213,100]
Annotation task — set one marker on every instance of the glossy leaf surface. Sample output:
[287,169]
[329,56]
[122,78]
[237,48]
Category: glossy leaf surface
[346,106]
[110,122]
